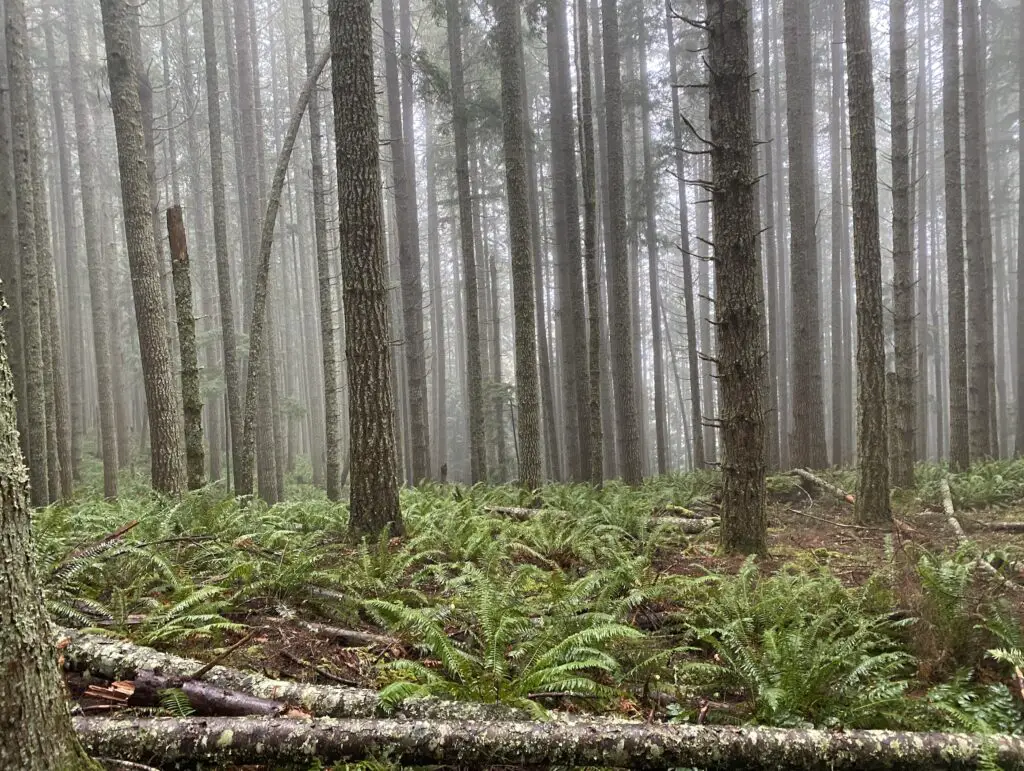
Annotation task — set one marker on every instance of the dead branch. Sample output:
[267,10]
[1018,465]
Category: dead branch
[824,485]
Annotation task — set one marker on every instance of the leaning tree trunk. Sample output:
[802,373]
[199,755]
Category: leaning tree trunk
[168,462]
[35,726]
[509,37]
[30,313]
[904,411]
[739,305]
[959,444]
[191,397]
[460,132]
[374,497]
[873,493]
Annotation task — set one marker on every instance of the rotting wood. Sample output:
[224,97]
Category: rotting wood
[689,524]
[481,744]
[824,485]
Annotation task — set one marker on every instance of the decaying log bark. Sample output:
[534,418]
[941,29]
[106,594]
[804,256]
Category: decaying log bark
[171,742]
[205,699]
[686,524]
[1005,527]
[824,485]
[119,660]
[689,524]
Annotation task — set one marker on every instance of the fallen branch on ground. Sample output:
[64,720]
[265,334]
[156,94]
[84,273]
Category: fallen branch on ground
[689,525]
[824,485]
[349,637]
[120,660]
[204,699]
[477,744]
[961,537]
[1005,527]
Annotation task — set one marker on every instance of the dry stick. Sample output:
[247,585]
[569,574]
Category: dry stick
[961,537]
[218,659]
[476,744]
[824,485]
[318,669]
[838,524]
[685,524]
[350,637]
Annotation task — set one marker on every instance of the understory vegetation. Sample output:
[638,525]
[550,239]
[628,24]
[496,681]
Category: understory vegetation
[593,604]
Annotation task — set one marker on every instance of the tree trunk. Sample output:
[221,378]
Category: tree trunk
[594,462]
[437,330]
[332,416]
[979,246]
[98,275]
[191,399]
[75,322]
[872,447]
[959,445]
[809,446]
[460,130]
[168,462]
[374,488]
[509,40]
[627,421]
[1020,262]
[904,411]
[839,298]
[739,305]
[478,745]
[35,725]
[29,306]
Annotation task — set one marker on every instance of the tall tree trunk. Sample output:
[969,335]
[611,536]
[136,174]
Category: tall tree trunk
[166,445]
[959,446]
[96,265]
[191,399]
[627,428]
[75,322]
[739,304]
[839,352]
[460,130]
[903,411]
[809,447]
[332,416]
[651,238]
[1020,260]
[565,203]
[979,247]
[374,487]
[594,463]
[872,447]
[509,41]
[440,358]
[30,312]
[922,116]
[408,252]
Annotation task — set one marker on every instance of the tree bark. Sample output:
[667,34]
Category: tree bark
[959,445]
[627,421]
[873,493]
[35,725]
[739,305]
[168,463]
[809,446]
[1020,263]
[374,488]
[509,39]
[904,410]
[191,399]
[460,131]
[839,297]
[282,740]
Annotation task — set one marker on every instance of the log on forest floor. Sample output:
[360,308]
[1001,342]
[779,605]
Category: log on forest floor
[961,538]
[688,524]
[170,742]
[824,484]
[120,660]
[351,638]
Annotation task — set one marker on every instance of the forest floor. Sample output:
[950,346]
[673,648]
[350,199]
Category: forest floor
[602,602]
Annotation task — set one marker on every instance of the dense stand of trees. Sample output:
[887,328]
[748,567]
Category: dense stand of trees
[545,260]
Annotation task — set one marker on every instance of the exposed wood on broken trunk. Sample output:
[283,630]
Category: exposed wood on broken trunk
[824,485]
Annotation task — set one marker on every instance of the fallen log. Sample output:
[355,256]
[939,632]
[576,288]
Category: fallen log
[824,485]
[689,525]
[1005,527]
[686,524]
[119,660]
[349,637]
[521,513]
[472,744]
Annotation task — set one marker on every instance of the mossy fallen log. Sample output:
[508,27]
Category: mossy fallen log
[172,743]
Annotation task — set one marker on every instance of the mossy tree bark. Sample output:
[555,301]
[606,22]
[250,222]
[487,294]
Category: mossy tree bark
[509,41]
[35,726]
[374,486]
[872,503]
[739,302]
[165,429]
[191,398]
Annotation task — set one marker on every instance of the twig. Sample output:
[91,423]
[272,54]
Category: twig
[319,670]
[223,655]
[839,524]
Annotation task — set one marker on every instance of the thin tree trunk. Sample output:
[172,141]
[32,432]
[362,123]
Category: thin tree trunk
[873,492]
[1020,262]
[839,299]
[440,358]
